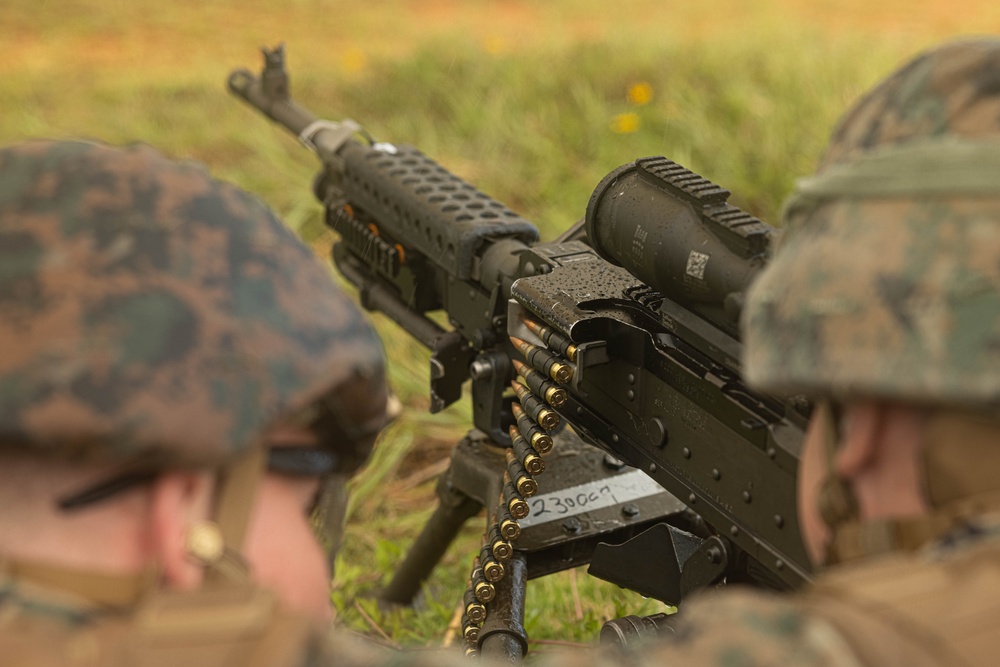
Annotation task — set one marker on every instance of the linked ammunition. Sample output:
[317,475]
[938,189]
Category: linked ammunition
[544,361]
[474,610]
[513,500]
[553,394]
[492,568]
[482,589]
[532,432]
[526,486]
[501,548]
[552,338]
[470,632]
[535,408]
[509,528]
[471,651]
[525,453]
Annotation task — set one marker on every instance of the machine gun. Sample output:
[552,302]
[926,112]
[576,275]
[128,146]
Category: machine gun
[674,475]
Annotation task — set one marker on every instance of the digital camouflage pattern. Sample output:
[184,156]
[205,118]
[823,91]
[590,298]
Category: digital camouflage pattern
[872,613]
[951,90]
[148,311]
[892,296]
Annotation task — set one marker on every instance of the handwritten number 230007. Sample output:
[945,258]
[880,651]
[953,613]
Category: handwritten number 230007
[552,504]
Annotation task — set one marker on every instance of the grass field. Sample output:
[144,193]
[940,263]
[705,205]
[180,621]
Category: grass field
[534,102]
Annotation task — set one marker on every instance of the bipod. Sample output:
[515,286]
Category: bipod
[585,498]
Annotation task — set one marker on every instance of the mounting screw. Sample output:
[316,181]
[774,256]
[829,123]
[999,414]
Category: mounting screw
[630,509]
[747,497]
[716,475]
[572,525]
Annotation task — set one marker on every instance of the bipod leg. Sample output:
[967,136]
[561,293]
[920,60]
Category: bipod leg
[453,510]
[503,636]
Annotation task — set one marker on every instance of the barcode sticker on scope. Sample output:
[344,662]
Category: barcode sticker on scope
[589,497]
[697,261]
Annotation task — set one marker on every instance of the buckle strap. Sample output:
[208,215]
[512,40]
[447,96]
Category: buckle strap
[107,590]
[234,501]
[857,539]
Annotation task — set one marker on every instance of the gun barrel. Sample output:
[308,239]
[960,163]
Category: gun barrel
[269,94]
[281,109]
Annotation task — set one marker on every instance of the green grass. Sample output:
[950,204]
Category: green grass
[519,98]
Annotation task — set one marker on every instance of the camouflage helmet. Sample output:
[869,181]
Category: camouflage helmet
[151,313]
[886,282]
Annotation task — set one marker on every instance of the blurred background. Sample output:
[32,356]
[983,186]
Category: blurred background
[534,102]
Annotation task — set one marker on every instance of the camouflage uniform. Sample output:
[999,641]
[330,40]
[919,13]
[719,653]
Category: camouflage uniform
[153,318]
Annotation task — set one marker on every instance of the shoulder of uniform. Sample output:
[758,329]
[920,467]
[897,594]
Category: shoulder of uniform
[882,604]
[230,626]
[938,566]
[742,626]
[730,628]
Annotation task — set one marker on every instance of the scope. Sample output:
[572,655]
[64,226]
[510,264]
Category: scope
[673,230]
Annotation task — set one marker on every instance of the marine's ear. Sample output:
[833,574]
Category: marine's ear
[859,437]
[180,501]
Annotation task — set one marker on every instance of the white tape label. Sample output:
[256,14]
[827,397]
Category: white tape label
[589,497]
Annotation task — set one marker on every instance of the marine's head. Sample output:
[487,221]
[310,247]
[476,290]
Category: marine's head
[883,299]
[164,340]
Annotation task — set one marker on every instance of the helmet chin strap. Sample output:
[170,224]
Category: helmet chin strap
[219,546]
[836,502]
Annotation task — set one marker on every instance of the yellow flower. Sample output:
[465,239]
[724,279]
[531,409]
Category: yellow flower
[625,123]
[495,45]
[353,61]
[640,93]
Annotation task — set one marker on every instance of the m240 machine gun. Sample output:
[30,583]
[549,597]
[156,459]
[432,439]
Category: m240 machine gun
[674,475]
